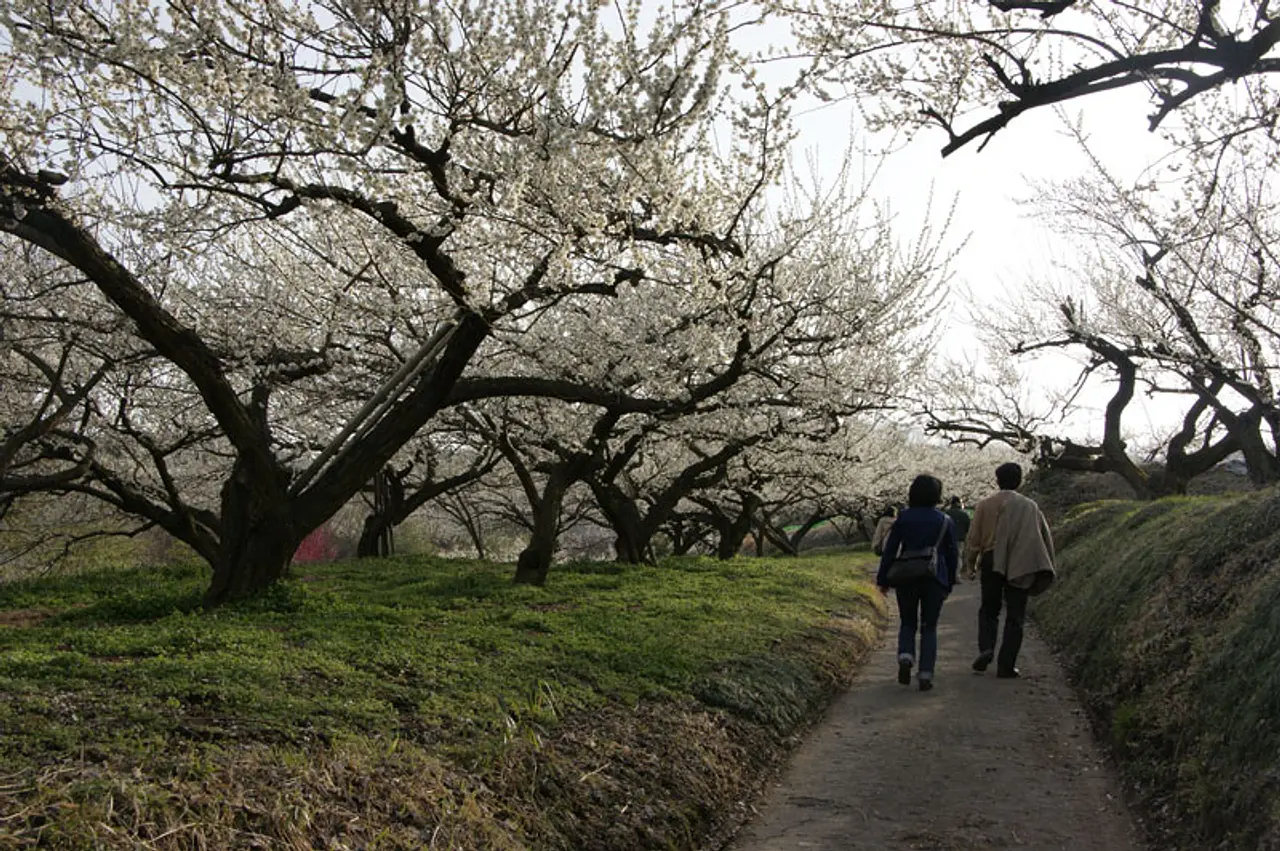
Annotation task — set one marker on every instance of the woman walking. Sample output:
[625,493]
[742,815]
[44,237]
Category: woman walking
[920,526]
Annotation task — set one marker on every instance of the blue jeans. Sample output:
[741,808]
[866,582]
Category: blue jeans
[919,606]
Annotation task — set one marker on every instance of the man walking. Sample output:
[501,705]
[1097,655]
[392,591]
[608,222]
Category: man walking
[960,517]
[1009,542]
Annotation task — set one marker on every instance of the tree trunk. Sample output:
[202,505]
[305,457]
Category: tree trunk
[1168,482]
[476,534]
[684,545]
[798,536]
[732,538]
[778,538]
[535,560]
[733,531]
[375,537]
[681,540]
[1261,464]
[685,534]
[630,547]
[258,536]
[775,535]
[1182,466]
[1108,458]
[631,544]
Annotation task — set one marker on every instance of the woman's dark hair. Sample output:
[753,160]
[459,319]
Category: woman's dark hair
[888,511]
[925,492]
[1009,476]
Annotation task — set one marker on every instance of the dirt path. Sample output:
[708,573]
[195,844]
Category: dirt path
[977,763]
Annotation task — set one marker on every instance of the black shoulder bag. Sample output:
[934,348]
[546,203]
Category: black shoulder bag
[913,565]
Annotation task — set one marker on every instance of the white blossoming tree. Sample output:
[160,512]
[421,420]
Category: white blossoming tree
[820,317]
[298,224]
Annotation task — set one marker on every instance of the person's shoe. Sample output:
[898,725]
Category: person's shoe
[925,685]
[983,661]
[1008,673]
[904,670]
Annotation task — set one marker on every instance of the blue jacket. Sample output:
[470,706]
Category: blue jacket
[918,528]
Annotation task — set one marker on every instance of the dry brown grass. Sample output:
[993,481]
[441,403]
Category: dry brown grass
[664,774]
[345,796]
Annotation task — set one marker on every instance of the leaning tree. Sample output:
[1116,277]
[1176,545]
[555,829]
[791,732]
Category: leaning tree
[274,205]
[1184,287]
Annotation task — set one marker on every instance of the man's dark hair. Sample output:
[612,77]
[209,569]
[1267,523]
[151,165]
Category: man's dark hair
[955,502]
[925,492]
[1009,476]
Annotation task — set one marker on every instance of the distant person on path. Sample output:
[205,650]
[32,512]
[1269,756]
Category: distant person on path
[1010,542]
[960,517]
[881,533]
[921,526]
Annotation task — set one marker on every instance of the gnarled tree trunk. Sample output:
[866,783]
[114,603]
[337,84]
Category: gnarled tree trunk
[534,562]
[632,538]
[377,536]
[258,536]
[731,529]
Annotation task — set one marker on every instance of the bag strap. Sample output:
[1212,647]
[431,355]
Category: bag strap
[942,533]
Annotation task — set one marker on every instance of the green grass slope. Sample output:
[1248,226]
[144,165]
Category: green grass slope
[415,703]
[1168,615]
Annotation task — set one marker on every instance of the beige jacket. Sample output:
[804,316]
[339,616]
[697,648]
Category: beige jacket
[1014,529]
[982,531]
[1023,551]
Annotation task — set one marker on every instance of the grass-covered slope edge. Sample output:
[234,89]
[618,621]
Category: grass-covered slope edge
[417,703]
[1168,616]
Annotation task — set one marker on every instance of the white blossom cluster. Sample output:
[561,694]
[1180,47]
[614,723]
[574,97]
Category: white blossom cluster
[291,236]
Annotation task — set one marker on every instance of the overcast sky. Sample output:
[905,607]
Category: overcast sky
[1005,246]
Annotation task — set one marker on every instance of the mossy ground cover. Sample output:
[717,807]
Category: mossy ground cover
[407,703]
[1169,616]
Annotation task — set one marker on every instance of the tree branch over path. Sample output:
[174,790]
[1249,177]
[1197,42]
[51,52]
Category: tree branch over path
[1031,60]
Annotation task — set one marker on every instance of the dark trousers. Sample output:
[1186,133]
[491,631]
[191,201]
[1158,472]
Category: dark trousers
[997,592]
[919,606]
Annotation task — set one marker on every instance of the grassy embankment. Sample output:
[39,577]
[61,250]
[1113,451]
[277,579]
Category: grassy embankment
[415,703]
[1169,616]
